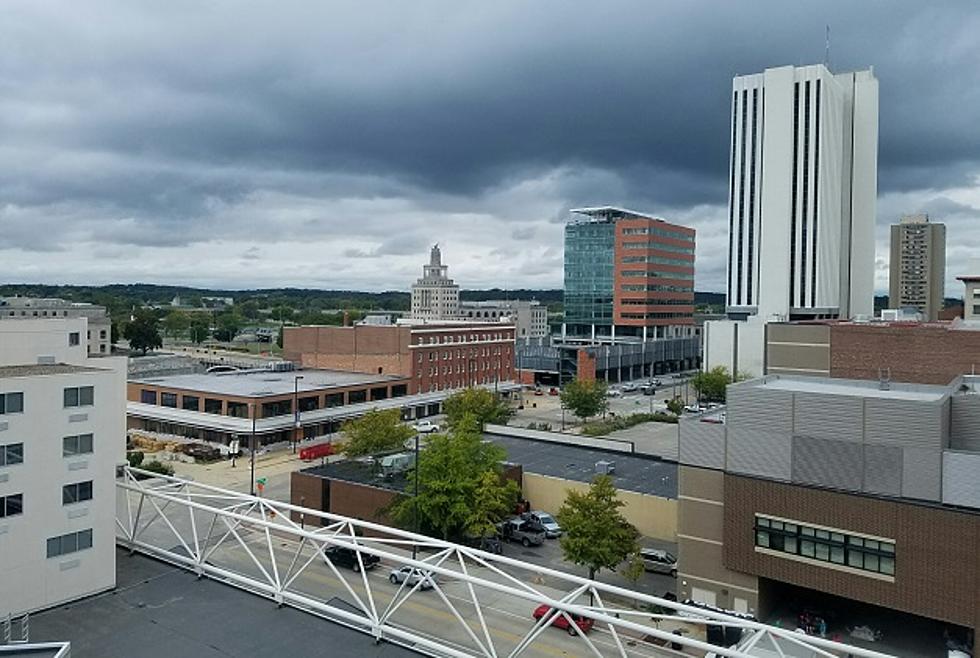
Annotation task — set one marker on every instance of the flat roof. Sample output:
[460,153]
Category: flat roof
[853,387]
[36,369]
[602,211]
[159,611]
[262,383]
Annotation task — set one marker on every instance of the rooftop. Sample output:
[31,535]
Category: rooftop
[37,369]
[260,383]
[851,387]
[159,611]
[610,212]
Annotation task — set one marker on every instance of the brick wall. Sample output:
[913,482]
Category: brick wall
[307,490]
[925,353]
[937,551]
[586,365]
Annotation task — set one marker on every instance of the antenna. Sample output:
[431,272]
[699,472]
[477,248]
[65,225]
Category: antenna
[826,49]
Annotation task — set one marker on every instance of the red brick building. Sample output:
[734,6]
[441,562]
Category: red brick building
[435,357]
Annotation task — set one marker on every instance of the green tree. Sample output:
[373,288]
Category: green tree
[711,385]
[585,397]
[480,403]
[596,534]
[675,406]
[375,432]
[142,332]
[228,324]
[461,490]
[176,322]
[249,309]
[199,328]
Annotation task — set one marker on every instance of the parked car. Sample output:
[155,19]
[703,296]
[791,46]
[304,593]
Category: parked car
[614,393]
[545,521]
[528,533]
[341,556]
[413,575]
[693,408]
[561,621]
[659,561]
[630,387]
[553,391]
[425,427]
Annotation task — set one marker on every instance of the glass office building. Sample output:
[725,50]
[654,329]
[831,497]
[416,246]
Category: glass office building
[589,277]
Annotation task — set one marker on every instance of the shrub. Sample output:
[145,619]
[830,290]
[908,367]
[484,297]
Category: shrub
[603,427]
[135,458]
[156,467]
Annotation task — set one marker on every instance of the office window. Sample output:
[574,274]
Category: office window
[335,400]
[191,403]
[11,453]
[168,400]
[309,403]
[80,396]
[73,339]
[79,444]
[212,406]
[824,545]
[148,396]
[102,334]
[76,492]
[11,403]
[11,505]
[354,397]
[238,409]
[70,543]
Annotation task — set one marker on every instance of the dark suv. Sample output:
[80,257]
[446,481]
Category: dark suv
[347,557]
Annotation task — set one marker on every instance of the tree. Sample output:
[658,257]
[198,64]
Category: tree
[142,332]
[596,534]
[461,490]
[585,397]
[675,406]
[250,309]
[479,403]
[228,324]
[711,385]
[199,328]
[375,432]
[176,322]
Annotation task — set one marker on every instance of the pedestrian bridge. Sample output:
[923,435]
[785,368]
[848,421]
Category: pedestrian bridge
[471,604]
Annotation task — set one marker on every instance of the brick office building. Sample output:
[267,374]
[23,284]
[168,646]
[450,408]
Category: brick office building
[433,356]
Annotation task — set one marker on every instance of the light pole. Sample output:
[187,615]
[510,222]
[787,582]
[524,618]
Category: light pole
[415,500]
[296,408]
[251,446]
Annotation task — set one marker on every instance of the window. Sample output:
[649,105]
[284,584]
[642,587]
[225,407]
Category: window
[148,396]
[168,400]
[212,406]
[70,543]
[335,399]
[11,505]
[191,403]
[12,453]
[73,339]
[11,403]
[824,545]
[76,493]
[238,409]
[79,444]
[309,403]
[80,396]
[353,397]
[274,408]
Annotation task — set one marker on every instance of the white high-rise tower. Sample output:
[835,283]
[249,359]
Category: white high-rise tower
[803,184]
[435,296]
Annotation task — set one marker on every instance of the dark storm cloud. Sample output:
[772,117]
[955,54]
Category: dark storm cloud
[379,128]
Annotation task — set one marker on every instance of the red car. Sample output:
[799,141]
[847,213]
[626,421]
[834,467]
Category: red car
[584,623]
[554,391]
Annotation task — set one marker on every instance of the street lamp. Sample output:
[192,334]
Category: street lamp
[251,446]
[415,501]
[296,408]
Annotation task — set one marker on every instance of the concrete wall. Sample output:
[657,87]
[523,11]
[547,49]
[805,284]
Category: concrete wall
[653,516]
[798,349]
[738,346]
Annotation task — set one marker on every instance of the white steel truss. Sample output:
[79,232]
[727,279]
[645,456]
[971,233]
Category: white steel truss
[461,602]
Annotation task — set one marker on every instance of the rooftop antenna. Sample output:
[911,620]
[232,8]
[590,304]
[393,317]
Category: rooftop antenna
[826,49]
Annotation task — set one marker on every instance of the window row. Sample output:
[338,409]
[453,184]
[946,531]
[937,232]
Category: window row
[659,246]
[835,547]
[77,444]
[659,231]
[75,396]
[658,260]
[652,274]
[70,543]
[461,338]
[461,354]
[654,287]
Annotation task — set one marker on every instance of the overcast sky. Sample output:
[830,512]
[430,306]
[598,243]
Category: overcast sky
[327,144]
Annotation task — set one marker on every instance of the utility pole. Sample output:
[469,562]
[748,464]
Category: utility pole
[251,446]
[296,409]
[415,501]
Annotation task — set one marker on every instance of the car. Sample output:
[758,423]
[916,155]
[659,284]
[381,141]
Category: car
[528,533]
[546,521]
[614,393]
[538,391]
[413,575]
[554,391]
[659,561]
[693,408]
[425,427]
[584,624]
[342,556]
[630,387]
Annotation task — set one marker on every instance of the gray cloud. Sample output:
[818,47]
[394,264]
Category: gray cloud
[358,134]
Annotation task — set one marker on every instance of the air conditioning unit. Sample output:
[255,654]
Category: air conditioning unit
[605,467]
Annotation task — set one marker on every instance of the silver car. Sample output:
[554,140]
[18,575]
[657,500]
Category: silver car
[413,576]
[547,522]
[659,561]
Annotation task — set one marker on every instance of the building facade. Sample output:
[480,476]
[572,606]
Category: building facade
[529,317]
[856,494]
[435,296]
[433,356]
[62,434]
[971,299]
[917,269]
[627,275]
[98,335]
[802,192]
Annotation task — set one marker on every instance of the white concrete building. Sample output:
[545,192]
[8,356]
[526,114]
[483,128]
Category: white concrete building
[98,335]
[802,195]
[529,316]
[803,186]
[435,296]
[62,433]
